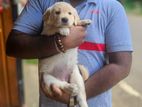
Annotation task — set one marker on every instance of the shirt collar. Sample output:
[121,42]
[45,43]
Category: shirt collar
[92,1]
[87,1]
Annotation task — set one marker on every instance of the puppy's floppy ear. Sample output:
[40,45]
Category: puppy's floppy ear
[76,17]
[46,15]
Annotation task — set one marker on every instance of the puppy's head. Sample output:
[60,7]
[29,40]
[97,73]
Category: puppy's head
[61,14]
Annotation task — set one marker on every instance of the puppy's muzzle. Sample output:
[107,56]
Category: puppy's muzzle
[64,20]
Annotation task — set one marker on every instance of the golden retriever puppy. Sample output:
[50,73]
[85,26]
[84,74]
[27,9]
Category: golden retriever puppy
[62,69]
[60,17]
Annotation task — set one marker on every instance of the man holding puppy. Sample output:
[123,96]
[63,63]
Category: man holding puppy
[104,46]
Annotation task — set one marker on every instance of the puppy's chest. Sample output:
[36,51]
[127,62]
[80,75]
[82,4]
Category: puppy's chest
[60,65]
[62,72]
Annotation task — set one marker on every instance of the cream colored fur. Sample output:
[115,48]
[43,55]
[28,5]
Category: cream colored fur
[63,63]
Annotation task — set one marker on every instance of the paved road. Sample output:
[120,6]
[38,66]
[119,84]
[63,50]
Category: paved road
[129,92]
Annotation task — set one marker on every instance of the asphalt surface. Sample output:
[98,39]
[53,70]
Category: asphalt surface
[128,93]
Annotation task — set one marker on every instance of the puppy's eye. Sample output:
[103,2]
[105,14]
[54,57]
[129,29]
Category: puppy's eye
[69,13]
[57,12]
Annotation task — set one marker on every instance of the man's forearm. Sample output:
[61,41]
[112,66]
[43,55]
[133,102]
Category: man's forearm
[109,75]
[23,45]
[27,46]
[104,79]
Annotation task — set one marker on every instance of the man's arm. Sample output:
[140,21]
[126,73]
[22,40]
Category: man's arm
[24,45]
[109,75]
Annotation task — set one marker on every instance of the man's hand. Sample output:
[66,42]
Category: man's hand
[75,38]
[57,93]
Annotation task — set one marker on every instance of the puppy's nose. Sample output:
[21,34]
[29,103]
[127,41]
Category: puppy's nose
[64,20]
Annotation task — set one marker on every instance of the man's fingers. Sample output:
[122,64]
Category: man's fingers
[57,93]
[56,90]
[45,90]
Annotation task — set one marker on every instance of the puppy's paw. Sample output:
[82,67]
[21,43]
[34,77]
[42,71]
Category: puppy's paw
[71,89]
[64,31]
[75,89]
[84,22]
[87,22]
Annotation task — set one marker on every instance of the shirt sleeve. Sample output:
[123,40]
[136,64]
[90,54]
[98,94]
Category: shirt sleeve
[117,34]
[30,20]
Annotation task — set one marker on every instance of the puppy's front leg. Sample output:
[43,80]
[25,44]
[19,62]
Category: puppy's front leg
[84,22]
[64,31]
[77,79]
[49,80]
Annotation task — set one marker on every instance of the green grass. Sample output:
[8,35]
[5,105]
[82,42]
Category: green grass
[31,61]
[133,7]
